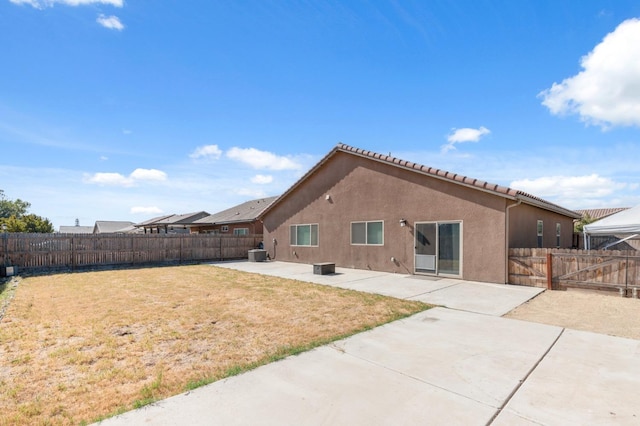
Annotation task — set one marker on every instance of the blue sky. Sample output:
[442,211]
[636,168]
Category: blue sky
[126,110]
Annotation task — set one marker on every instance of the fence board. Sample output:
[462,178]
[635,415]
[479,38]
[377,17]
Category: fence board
[42,252]
[595,269]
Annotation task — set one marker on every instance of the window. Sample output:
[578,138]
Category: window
[304,235]
[558,235]
[540,229]
[224,228]
[241,231]
[367,233]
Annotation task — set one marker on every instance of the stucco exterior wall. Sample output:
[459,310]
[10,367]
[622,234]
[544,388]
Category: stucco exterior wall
[361,189]
[523,220]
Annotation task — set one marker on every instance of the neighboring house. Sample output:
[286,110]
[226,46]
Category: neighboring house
[365,210]
[594,215]
[238,220]
[611,229]
[77,229]
[171,224]
[597,214]
[149,226]
[113,227]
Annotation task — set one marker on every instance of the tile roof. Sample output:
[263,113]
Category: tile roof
[502,191]
[245,212]
[601,213]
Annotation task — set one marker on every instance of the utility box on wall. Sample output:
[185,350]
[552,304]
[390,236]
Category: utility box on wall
[8,271]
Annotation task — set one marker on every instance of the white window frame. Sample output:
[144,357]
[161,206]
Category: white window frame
[366,232]
[241,231]
[224,228]
[311,239]
[540,233]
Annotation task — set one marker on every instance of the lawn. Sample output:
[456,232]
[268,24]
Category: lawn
[75,348]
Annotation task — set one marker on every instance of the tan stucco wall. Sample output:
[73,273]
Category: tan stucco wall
[361,189]
[523,221]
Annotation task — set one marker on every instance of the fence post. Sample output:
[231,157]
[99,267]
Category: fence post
[73,254]
[549,271]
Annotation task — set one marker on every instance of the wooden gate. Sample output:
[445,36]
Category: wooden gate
[606,270]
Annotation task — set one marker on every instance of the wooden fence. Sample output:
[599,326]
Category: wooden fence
[50,252]
[606,270]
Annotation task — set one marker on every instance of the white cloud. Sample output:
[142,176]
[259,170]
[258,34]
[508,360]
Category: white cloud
[464,135]
[208,152]
[110,179]
[262,159]
[117,179]
[570,188]
[148,175]
[110,22]
[607,91]
[250,192]
[262,179]
[41,4]
[146,210]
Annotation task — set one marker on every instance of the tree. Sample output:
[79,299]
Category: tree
[14,217]
[578,225]
[10,208]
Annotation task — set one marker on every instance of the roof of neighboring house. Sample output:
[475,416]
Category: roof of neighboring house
[153,220]
[245,212]
[182,219]
[111,226]
[173,219]
[502,191]
[601,213]
[76,229]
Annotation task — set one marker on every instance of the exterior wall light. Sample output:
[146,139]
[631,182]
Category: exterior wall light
[403,222]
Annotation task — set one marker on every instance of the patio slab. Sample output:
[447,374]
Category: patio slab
[587,378]
[436,367]
[485,298]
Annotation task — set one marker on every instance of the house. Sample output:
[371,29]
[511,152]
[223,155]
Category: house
[597,214]
[238,220]
[364,210]
[619,230]
[592,215]
[113,227]
[171,224]
[77,229]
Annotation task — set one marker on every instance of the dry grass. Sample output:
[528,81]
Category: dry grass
[583,310]
[78,347]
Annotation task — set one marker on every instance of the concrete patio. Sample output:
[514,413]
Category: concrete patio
[460,363]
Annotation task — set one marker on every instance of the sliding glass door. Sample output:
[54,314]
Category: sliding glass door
[438,248]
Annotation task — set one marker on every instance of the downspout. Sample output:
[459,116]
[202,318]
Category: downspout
[506,241]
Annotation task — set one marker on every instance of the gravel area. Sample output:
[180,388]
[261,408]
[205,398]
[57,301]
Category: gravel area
[583,310]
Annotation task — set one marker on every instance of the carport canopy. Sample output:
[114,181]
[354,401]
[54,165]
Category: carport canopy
[624,225]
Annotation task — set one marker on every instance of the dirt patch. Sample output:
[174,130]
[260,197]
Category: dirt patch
[77,347]
[583,310]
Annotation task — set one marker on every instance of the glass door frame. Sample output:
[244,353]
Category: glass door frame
[436,271]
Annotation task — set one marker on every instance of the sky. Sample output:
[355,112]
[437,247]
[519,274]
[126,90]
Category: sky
[128,110]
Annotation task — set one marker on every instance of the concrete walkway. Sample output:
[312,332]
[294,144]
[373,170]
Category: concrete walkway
[462,364]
